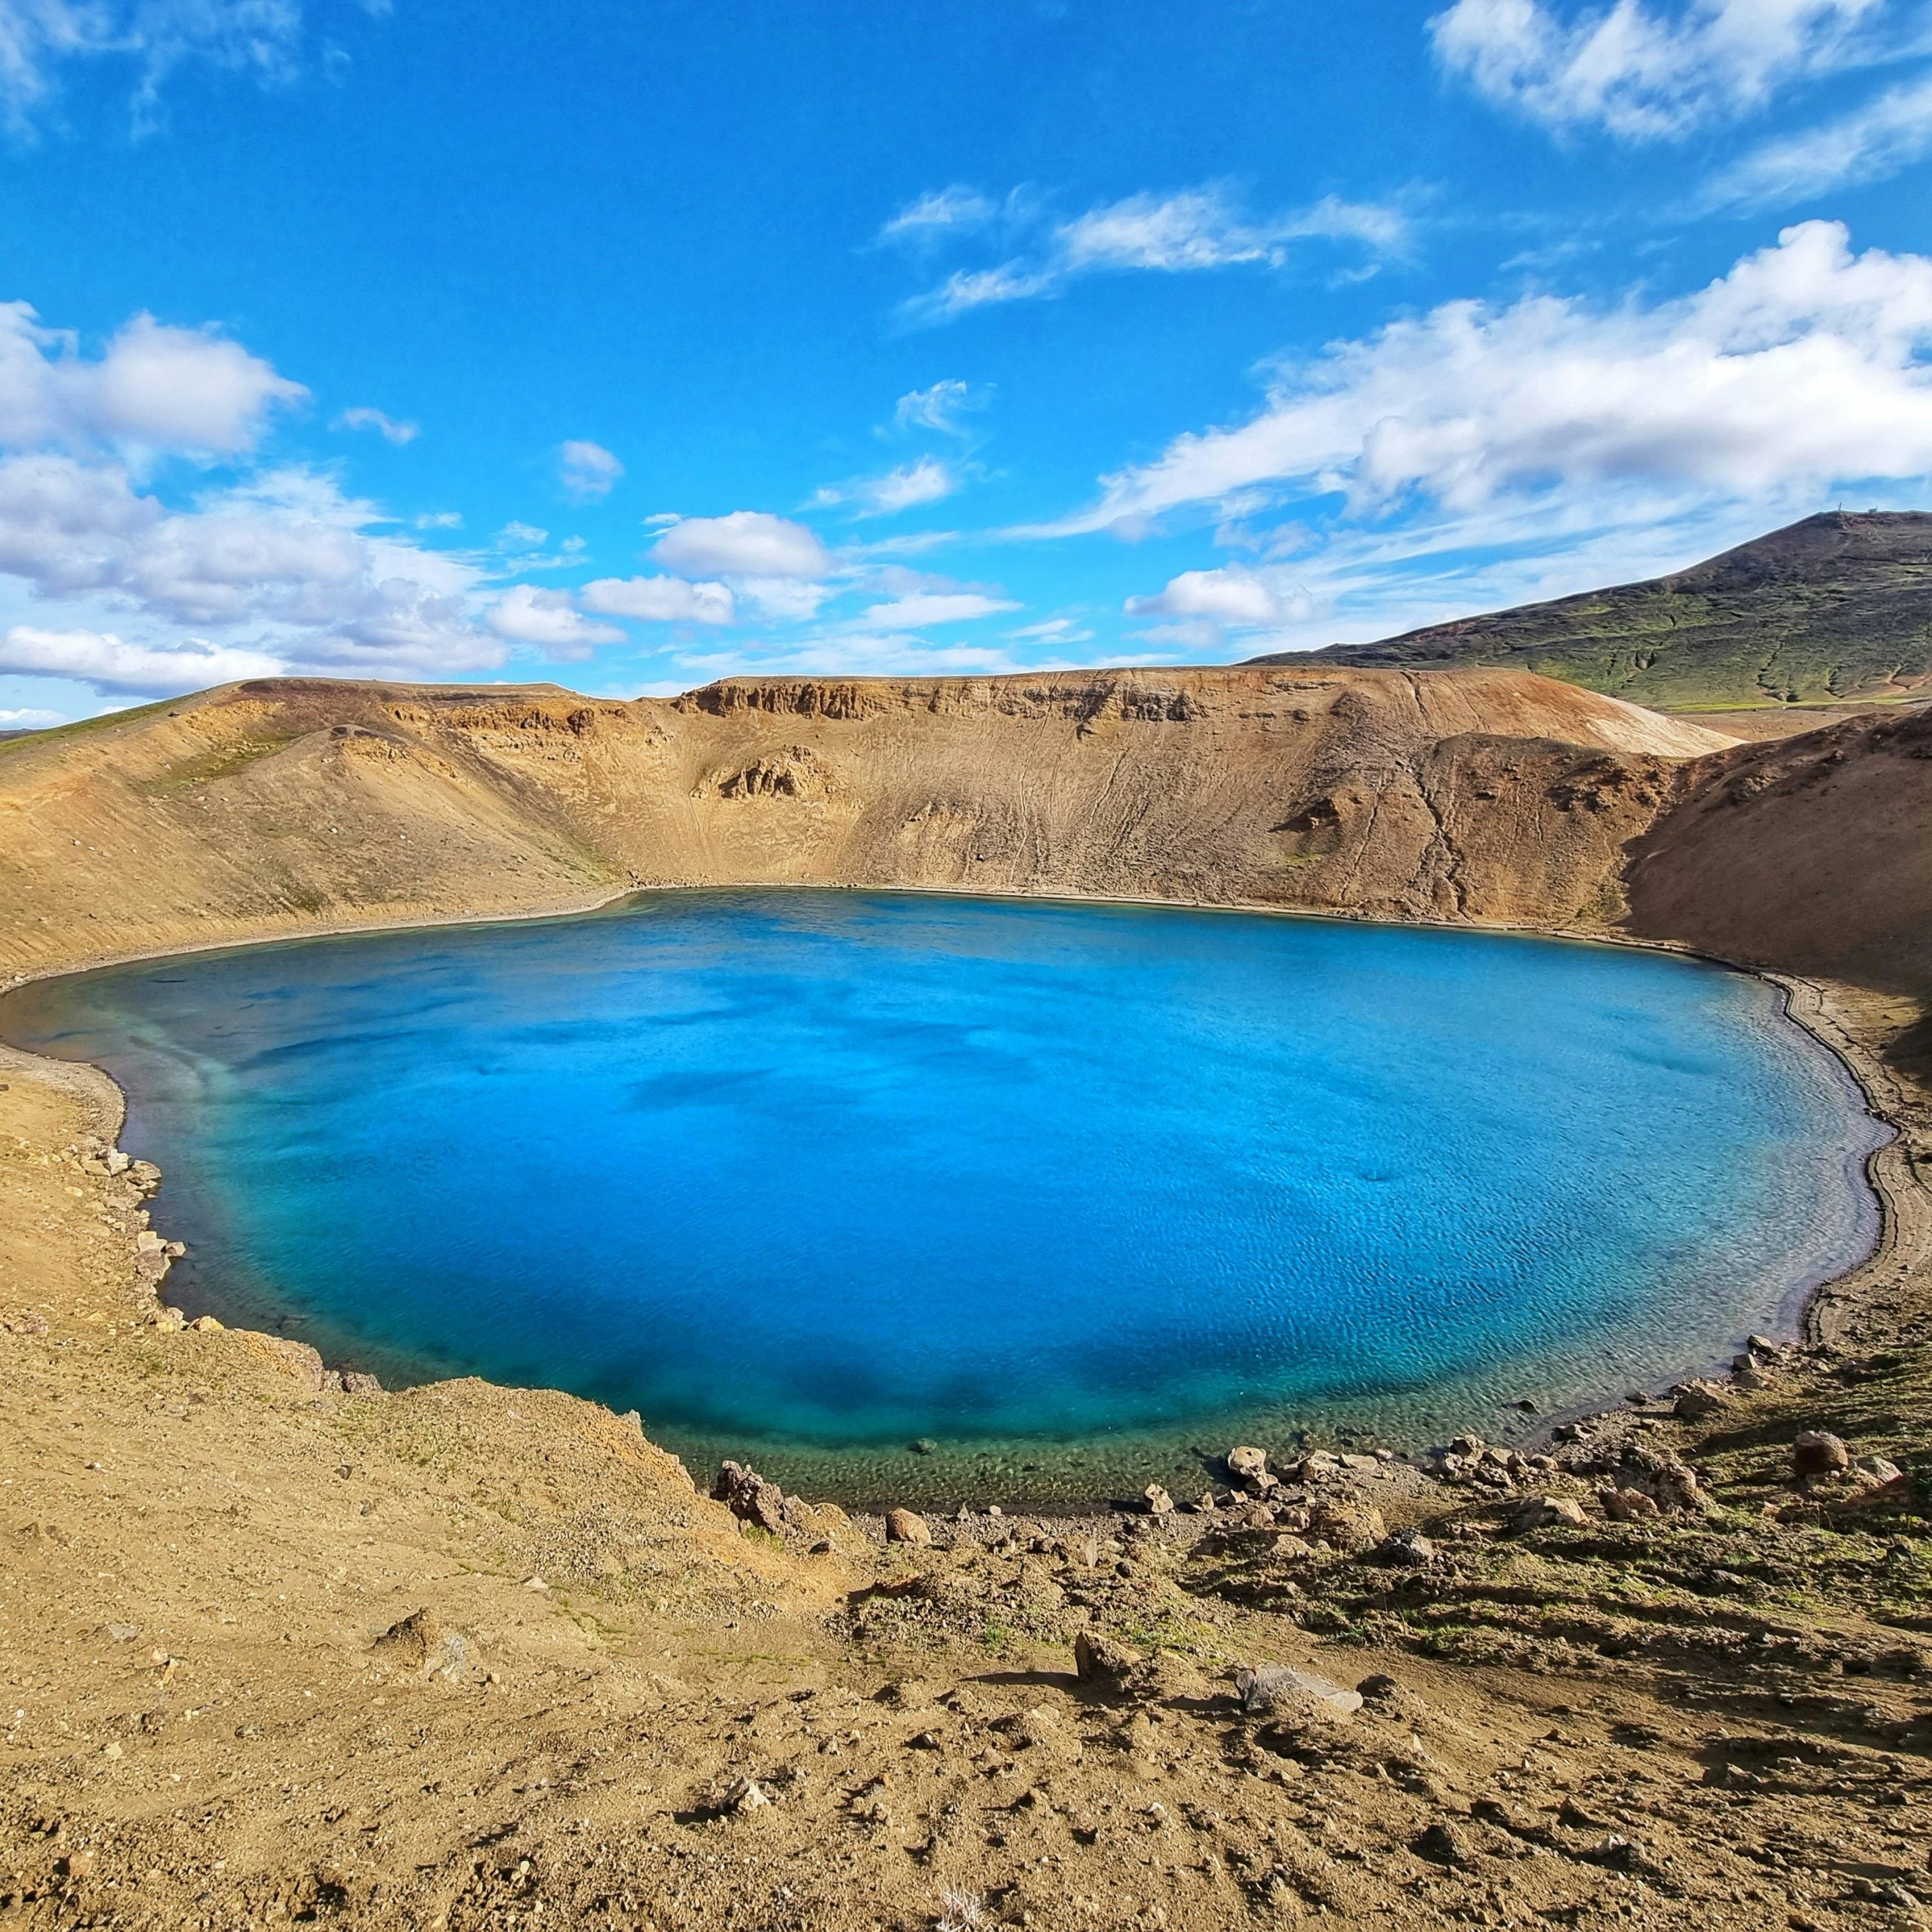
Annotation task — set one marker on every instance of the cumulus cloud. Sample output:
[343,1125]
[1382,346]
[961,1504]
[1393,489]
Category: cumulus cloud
[1649,72]
[1876,140]
[587,471]
[188,390]
[751,544]
[101,659]
[1804,367]
[549,619]
[661,600]
[1195,230]
[1237,597]
[387,427]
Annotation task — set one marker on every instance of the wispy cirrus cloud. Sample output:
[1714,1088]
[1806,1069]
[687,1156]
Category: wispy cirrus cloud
[1659,69]
[149,40]
[386,427]
[1879,139]
[1184,233]
[942,406]
[927,480]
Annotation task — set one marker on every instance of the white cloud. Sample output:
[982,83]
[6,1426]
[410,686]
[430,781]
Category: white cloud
[1874,141]
[920,608]
[926,481]
[155,387]
[945,211]
[1195,230]
[745,544]
[29,718]
[548,619]
[387,427]
[313,576]
[101,659]
[38,38]
[587,471]
[784,600]
[661,600]
[1242,599]
[1648,72]
[939,408]
[1802,367]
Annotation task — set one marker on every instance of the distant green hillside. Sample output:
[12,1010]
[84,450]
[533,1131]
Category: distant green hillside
[1837,607]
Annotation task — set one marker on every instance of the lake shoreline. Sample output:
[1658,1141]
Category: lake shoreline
[1826,1313]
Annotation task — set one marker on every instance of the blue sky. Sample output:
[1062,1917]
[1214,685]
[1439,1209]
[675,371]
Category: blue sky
[631,346]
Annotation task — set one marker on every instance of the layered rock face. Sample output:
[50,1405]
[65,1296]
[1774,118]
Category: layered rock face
[292,805]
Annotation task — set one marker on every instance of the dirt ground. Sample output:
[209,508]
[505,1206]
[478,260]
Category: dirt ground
[611,1704]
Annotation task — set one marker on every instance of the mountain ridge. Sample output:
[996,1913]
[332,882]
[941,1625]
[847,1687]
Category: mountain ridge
[1836,607]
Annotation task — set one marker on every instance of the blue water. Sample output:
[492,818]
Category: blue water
[1073,1191]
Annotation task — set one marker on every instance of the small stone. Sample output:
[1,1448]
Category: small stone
[906,1526]
[925,1446]
[1818,1453]
[1247,1464]
[1877,1468]
[536,1583]
[1440,1846]
[355,1383]
[1159,1503]
[206,1324]
[745,1796]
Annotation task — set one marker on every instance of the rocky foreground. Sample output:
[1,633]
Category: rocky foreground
[279,1650]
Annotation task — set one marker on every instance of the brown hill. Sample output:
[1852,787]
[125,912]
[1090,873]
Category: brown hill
[290,806]
[1838,607]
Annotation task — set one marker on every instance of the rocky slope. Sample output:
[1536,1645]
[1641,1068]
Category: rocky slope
[1838,607]
[287,806]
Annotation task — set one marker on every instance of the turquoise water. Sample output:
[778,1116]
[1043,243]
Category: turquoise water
[1075,1191]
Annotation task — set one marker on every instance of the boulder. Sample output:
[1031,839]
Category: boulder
[1100,1660]
[1627,1506]
[1699,1401]
[1818,1453]
[1542,1512]
[1247,1466]
[1280,1693]
[906,1526]
[1877,1469]
[1406,1549]
[750,1497]
[1159,1503]
[355,1383]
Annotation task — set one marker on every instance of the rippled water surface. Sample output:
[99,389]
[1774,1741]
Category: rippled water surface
[1074,1191]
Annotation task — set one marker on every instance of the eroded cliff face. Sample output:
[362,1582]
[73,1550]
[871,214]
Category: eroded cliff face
[288,805]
